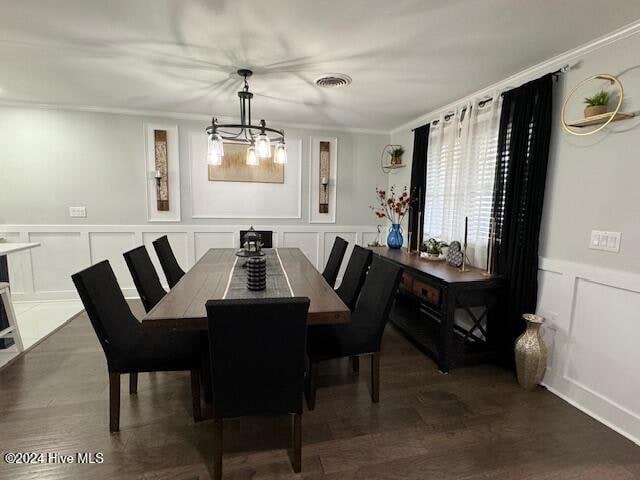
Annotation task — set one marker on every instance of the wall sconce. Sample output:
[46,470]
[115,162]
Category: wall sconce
[162,204]
[324,204]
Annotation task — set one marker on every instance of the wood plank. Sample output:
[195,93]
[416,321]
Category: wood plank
[184,306]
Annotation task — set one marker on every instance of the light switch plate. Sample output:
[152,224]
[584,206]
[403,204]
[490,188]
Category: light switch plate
[604,240]
[78,212]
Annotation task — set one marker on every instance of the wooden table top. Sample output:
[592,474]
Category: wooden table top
[184,305]
[433,268]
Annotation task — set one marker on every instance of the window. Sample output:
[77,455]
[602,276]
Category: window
[461,164]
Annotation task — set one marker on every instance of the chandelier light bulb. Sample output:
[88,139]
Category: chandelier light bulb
[280,154]
[215,149]
[252,158]
[263,146]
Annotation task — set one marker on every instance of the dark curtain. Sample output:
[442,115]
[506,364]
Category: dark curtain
[521,171]
[418,181]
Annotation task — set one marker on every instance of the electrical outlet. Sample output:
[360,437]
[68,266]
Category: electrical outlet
[78,212]
[603,240]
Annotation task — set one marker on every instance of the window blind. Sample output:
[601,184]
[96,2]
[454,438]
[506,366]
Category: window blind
[461,165]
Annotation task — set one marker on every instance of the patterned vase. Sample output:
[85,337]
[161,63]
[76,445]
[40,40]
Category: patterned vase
[394,239]
[531,353]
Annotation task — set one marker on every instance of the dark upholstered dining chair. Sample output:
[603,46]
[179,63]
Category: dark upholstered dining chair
[266,237]
[129,348]
[258,363]
[332,268]
[363,335]
[354,276]
[168,261]
[145,277]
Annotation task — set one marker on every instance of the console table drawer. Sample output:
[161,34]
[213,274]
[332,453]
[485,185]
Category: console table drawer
[406,281]
[427,293]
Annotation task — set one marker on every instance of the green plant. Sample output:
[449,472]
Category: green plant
[600,98]
[434,246]
[397,152]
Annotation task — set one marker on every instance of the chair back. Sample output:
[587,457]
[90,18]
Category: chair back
[168,261]
[376,298]
[258,349]
[144,276]
[266,237]
[116,327]
[354,276]
[332,267]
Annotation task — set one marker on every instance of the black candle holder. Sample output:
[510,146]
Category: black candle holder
[256,273]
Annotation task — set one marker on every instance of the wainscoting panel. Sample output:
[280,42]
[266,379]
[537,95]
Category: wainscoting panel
[206,240]
[44,272]
[59,255]
[110,246]
[308,242]
[20,266]
[592,334]
[601,338]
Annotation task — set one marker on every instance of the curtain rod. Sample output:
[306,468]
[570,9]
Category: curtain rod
[482,103]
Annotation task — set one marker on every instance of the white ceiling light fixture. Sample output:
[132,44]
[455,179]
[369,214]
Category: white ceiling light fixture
[256,136]
[333,80]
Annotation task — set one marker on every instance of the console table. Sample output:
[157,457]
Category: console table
[432,295]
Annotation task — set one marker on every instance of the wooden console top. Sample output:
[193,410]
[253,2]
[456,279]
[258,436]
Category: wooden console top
[433,268]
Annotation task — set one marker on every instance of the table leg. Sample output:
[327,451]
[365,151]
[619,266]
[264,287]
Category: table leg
[445,350]
[205,370]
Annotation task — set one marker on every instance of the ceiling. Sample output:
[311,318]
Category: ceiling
[406,57]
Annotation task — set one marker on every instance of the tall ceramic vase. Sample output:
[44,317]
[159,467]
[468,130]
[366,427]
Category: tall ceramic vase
[531,353]
[394,239]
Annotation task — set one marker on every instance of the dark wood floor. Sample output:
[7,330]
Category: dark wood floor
[475,423]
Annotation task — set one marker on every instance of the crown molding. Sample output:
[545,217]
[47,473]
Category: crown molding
[552,64]
[178,116]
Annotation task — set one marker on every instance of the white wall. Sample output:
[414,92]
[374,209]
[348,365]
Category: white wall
[53,159]
[590,298]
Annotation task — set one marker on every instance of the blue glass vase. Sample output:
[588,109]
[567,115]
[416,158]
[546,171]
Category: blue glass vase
[394,239]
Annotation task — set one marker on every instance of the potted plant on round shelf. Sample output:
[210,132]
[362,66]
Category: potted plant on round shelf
[433,248]
[394,208]
[396,155]
[597,104]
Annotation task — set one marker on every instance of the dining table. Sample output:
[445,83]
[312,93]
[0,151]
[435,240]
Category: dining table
[221,274]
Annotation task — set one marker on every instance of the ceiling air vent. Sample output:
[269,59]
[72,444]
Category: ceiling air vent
[333,80]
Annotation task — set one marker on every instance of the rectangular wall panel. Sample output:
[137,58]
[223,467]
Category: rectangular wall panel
[19,266]
[59,255]
[305,241]
[206,240]
[604,350]
[110,246]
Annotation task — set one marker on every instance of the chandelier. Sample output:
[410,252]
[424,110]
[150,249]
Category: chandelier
[258,137]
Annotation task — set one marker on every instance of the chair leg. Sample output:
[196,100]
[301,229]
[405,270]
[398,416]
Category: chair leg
[133,383]
[375,377]
[114,402]
[195,395]
[355,364]
[217,448]
[296,442]
[312,378]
